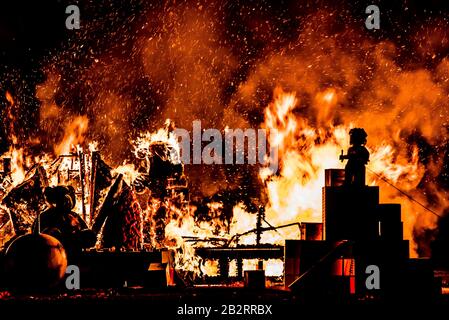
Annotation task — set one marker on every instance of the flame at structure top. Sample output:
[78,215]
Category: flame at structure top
[311,76]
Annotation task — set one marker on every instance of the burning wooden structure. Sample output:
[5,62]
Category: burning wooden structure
[330,258]
[153,234]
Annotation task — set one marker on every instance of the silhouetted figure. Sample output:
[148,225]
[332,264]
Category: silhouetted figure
[160,174]
[62,223]
[156,170]
[358,157]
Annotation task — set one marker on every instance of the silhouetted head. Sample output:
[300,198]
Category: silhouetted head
[357,136]
[62,197]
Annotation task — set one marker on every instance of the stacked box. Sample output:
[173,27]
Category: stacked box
[301,255]
[391,257]
[350,213]
[334,177]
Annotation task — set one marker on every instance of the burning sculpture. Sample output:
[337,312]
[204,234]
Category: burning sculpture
[163,176]
[309,87]
[356,229]
[145,203]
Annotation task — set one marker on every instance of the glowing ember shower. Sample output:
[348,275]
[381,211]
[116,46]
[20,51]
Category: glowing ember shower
[307,73]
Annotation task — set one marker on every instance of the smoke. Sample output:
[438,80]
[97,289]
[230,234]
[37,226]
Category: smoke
[127,71]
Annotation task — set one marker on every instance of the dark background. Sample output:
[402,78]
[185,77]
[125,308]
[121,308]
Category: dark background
[33,33]
[30,30]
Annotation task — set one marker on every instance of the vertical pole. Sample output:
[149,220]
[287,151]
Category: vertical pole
[93,177]
[224,268]
[260,217]
[82,174]
[239,268]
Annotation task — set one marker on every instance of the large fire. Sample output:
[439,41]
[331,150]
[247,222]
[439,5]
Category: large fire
[311,91]
[293,193]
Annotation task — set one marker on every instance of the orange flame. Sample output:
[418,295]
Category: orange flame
[294,194]
[73,135]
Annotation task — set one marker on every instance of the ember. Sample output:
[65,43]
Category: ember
[202,144]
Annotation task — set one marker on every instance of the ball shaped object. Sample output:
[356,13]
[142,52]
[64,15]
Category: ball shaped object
[35,261]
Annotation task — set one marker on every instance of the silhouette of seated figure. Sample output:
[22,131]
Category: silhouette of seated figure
[358,157]
[62,223]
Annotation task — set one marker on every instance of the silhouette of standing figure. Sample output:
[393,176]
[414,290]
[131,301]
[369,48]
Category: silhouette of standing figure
[358,157]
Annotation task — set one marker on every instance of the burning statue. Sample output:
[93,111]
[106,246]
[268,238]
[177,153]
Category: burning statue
[164,177]
[358,157]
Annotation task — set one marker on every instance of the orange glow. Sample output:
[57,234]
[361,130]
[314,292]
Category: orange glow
[73,135]
[9,98]
[310,92]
